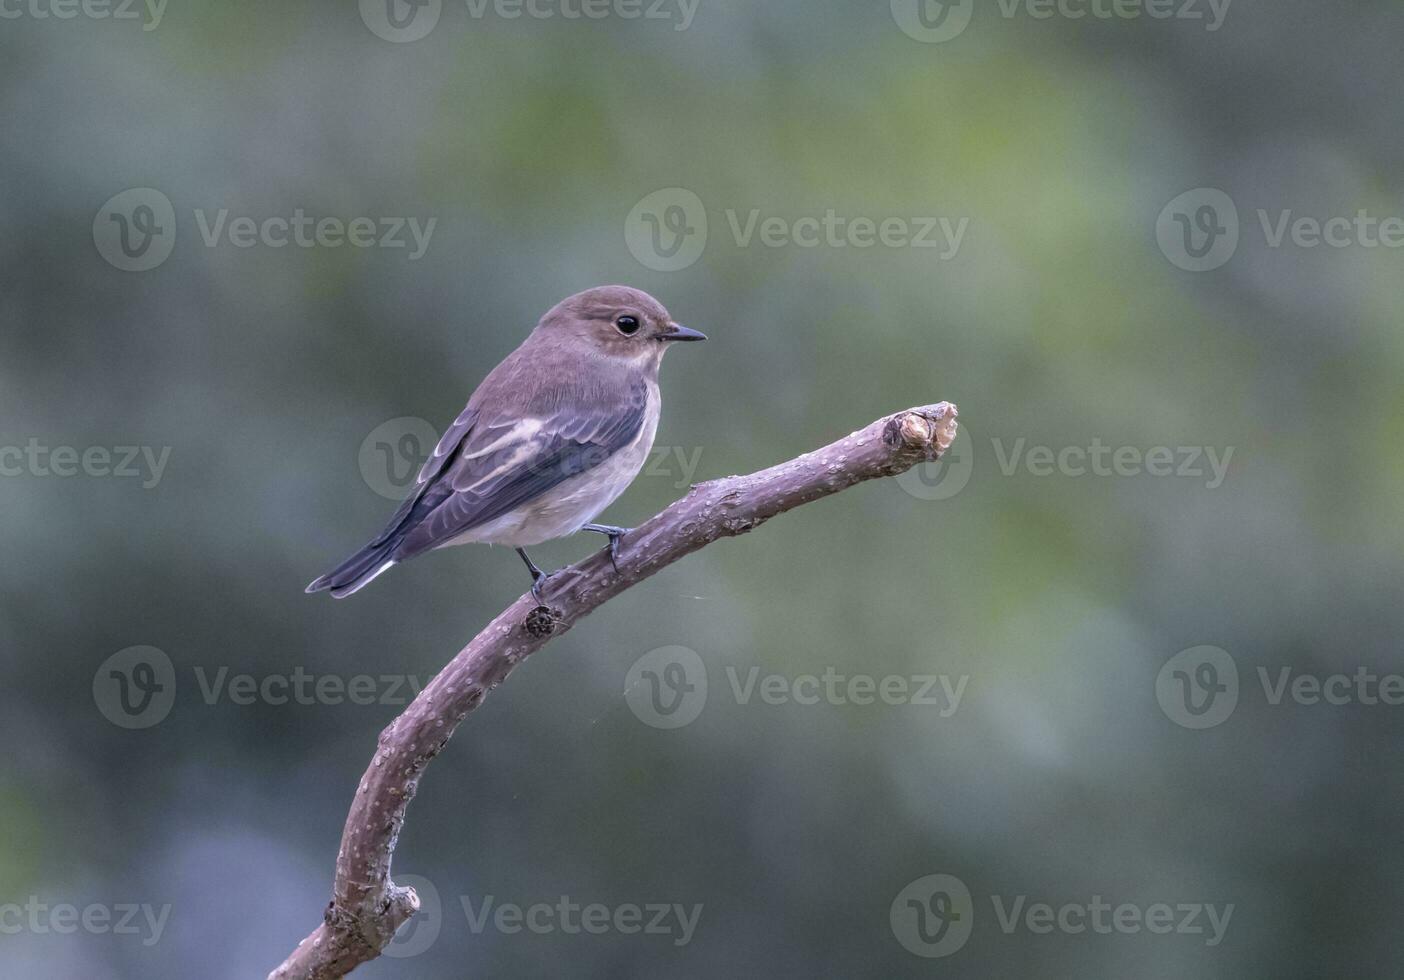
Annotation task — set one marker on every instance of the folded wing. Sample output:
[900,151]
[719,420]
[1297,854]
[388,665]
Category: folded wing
[485,468]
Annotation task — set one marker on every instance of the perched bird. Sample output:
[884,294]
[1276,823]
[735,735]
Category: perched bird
[552,437]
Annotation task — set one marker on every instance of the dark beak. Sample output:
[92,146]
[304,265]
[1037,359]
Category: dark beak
[676,331]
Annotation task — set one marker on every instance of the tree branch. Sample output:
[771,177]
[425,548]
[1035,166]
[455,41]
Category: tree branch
[366,906]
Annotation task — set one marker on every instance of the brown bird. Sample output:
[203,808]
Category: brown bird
[553,435]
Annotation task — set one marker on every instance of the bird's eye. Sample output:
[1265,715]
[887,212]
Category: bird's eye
[627,325]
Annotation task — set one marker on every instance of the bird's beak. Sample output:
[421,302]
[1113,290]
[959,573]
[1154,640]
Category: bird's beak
[676,331]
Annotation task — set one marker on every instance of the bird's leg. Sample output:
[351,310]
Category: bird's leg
[537,575]
[615,533]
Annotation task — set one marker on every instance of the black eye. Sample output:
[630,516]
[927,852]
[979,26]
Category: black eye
[627,325]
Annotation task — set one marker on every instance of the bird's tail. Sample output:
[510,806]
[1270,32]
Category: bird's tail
[357,571]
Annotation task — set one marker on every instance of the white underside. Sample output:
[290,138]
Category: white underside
[575,502]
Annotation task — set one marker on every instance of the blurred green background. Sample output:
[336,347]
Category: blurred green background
[288,390]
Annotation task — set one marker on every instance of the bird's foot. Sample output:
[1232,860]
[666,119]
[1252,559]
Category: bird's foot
[614,533]
[538,577]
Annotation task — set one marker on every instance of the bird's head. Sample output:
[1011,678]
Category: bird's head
[616,322]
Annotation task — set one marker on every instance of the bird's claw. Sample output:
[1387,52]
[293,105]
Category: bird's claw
[614,533]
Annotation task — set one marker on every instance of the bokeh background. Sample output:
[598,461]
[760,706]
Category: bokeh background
[288,390]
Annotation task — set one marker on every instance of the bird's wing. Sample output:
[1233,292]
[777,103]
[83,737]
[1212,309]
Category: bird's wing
[484,468]
[448,442]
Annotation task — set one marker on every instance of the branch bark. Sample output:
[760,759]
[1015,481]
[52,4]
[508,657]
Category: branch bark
[366,906]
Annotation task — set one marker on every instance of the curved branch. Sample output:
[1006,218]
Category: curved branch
[366,906]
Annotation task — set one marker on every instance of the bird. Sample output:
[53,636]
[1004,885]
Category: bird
[550,438]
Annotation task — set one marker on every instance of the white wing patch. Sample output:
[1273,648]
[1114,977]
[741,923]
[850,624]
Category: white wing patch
[517,446]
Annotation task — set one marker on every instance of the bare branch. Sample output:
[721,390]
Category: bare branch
[366,906]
